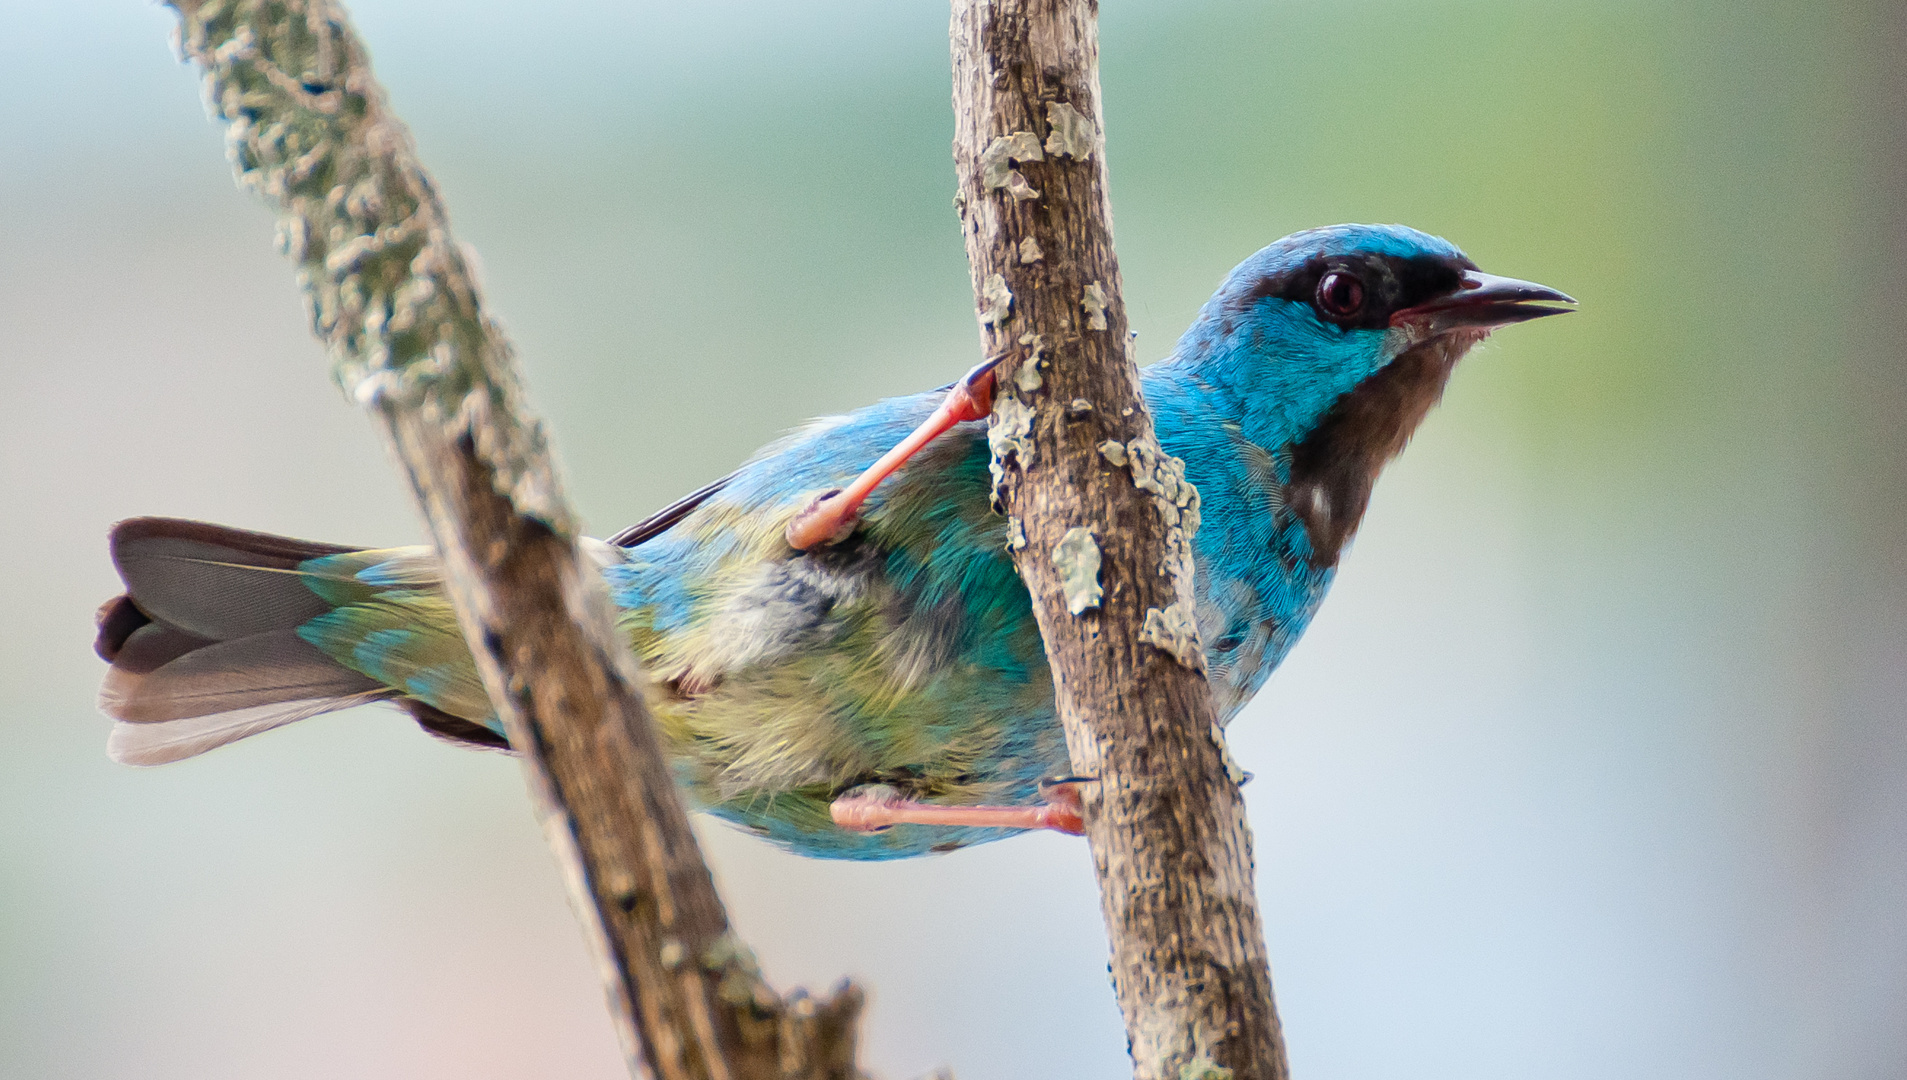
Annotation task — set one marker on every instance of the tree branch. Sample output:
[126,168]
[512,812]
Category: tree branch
[1087,488]
[392,298]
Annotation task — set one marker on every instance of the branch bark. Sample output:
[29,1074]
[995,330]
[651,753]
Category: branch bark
[1083,480]
[391,296]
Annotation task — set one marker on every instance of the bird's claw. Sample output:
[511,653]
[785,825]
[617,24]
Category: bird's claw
[1065,804]
[972,397]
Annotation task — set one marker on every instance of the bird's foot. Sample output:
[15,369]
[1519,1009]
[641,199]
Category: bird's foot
[833,515]
[874,807]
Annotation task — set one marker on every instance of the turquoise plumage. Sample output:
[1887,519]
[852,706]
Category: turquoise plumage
[904,656]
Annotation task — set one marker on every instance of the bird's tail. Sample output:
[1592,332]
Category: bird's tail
[205,646]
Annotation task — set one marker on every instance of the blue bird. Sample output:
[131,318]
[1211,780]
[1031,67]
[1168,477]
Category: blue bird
[841,657]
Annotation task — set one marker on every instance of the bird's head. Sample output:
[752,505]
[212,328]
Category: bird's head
[1337,341]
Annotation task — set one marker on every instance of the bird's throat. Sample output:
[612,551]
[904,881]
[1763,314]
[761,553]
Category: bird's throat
[1334,467]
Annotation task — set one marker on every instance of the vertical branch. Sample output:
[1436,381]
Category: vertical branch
[392,298]
[1102,522]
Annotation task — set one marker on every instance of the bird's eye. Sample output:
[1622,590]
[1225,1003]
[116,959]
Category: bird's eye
[1340,294]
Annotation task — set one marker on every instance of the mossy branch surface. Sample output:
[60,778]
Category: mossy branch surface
[1076,464]
[392,297]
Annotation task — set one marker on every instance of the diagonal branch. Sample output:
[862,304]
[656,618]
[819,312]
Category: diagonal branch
[390,295]
[1102,522]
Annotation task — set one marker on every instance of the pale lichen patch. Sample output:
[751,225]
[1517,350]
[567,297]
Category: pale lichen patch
[1204,1068]
[1233,771]
[1007,438]
[671,954]
[998,159]
[1175,632]
[1076,557]
[1015,535]
[1093,303]
[999,300]
[1166,1043]
[1028,378]
[1071,134]
[1159,474]
[1114,451]
[1030,252]
[1163,476]
[740,983]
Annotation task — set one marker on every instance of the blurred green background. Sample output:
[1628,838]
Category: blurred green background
[1594,765]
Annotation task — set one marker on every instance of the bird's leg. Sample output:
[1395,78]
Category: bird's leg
[832,516]
[877,806]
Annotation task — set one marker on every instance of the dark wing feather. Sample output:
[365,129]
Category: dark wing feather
[660,522]
[453,728]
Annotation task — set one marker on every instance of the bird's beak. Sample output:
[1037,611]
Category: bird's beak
[1483,301]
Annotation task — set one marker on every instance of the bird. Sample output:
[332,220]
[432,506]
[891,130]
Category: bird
[837,649]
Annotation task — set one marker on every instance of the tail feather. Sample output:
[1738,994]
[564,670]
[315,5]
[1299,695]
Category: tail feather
[147,647]
[173,740]
[203,646]
[215,582]
[222,676]
[118,620]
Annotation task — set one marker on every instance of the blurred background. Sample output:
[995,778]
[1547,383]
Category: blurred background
[1594,765]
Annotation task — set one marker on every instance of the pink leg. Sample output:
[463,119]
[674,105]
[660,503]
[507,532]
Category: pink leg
[874,808]
[832,516]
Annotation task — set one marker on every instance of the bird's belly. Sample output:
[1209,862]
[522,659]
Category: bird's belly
[771,747]
[800,678]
